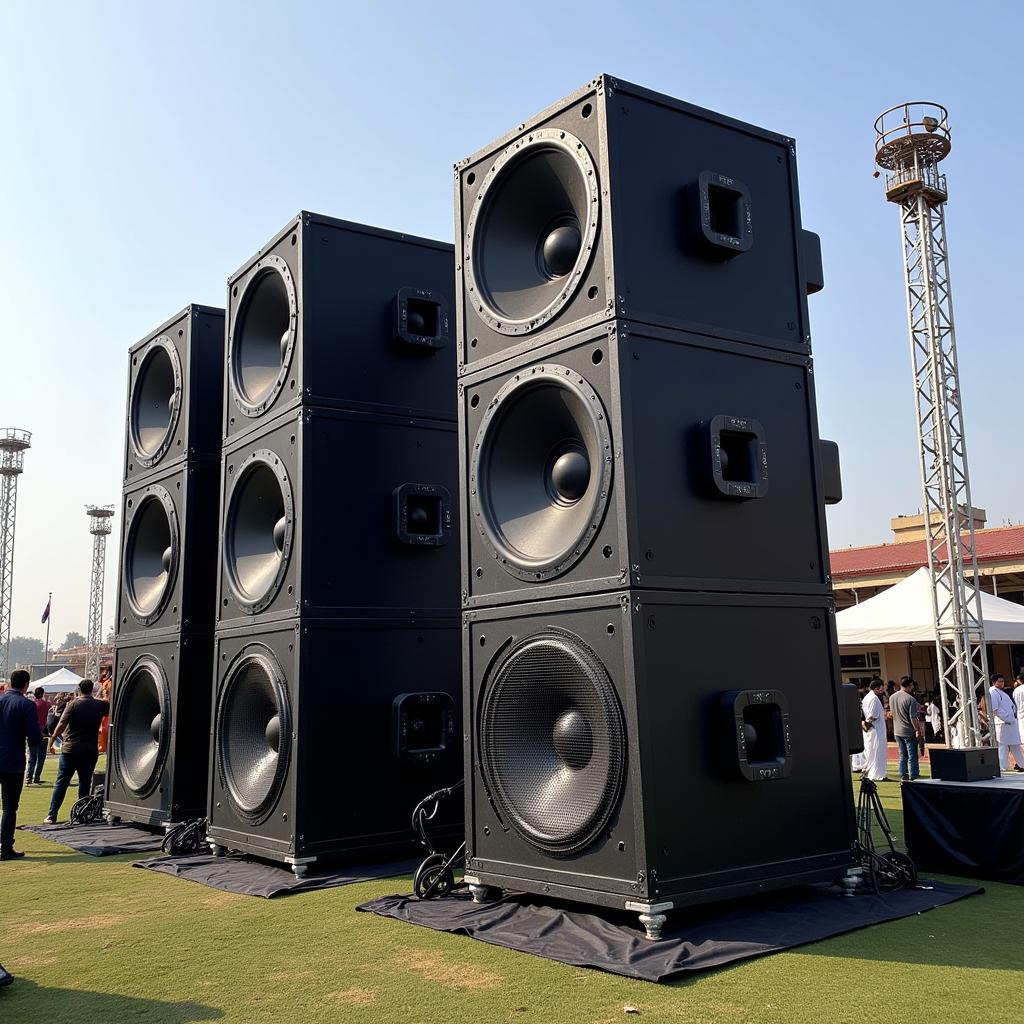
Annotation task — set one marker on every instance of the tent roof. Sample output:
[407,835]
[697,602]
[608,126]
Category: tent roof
[903,614]
[62,680]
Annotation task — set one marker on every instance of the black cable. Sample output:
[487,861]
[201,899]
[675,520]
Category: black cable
[88,810]
[184,839]
[435,876]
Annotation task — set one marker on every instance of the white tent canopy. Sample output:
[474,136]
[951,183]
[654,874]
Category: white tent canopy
[903,614]
[61,681]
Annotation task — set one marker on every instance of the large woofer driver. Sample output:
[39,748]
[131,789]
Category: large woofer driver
[150,553]
[552,741]
[142,725]
[262,335]
[258,530]
[253,736]
[155,402]
[532,230]
[541,471]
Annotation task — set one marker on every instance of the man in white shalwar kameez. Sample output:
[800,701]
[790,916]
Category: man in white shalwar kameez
[1007,732]
[875,742]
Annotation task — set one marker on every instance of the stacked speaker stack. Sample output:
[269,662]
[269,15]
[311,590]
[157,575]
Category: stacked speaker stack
[157,772]
[337,666]
[650,680]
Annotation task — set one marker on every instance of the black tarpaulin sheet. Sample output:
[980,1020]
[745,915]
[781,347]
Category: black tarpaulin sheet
[100,839]
[694,939]
[248,877]
[967,828]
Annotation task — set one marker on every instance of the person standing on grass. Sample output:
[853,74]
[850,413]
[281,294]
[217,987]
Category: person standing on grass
[18,725]
[37,754]
[1004,710]
[1018,701]
[875,748]
[906,726]
[80,728]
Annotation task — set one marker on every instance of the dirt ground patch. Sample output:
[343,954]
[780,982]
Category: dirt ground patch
[27,929]
[460,977]
[354,996]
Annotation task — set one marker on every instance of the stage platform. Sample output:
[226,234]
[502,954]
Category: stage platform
[967,828]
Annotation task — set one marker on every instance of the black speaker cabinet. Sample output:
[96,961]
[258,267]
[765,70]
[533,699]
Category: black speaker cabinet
[336,513]
[967,764]
[326,734]
[159,729]
[628,455]
[337,314]
[618,201]
[175,391]
[168,563]
[619,757]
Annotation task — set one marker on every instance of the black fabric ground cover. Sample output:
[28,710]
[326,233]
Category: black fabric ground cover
[246,876]
[694,939]
[967,828]
[100,839]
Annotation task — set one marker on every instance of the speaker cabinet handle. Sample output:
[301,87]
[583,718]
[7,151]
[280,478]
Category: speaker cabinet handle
[421,319]
[810,249]
[721,214]
[760,747]
[738,457]
[422,514]
[423,726]
[831,471]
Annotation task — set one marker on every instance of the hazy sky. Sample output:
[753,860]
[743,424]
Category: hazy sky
[148,151]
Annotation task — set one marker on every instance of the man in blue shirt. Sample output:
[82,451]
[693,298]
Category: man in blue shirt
[18,723]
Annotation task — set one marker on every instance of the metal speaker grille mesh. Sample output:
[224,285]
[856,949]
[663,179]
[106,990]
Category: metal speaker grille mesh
[254,734]
[142,726]
[552,741]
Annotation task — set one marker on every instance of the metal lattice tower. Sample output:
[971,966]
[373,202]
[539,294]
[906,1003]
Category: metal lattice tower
[911,140]
[99,526]
[13,443]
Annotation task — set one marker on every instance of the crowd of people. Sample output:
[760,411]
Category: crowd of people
[31,728]
[912,719]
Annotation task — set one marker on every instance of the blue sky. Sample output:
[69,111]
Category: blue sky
[149,150]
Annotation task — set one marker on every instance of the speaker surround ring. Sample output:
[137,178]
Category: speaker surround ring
[552,741]
[253,714]
[154,405]
[532,530]
[257,545]
[260,352]
[561,162]
[142,698]
[151,553]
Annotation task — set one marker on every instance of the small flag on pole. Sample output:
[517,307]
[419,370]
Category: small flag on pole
[46,611]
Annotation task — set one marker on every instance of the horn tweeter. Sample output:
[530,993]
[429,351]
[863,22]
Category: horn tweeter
[258,529]
[541,470]
[253,732]
[150,553]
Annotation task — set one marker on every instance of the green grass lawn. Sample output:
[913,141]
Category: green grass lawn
[97,940]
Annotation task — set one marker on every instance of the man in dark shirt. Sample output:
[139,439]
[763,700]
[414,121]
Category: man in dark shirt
[37,754]
[80,727]
[17,725]
[906,727]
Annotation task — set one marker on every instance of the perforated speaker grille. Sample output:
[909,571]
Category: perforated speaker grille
[552,741]
[142,725]
[254,733]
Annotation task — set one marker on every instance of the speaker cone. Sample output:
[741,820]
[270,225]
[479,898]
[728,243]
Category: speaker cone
[532,230]
[150,553]
[541,471]
[552,741]
[155,401]
[142,725]
[254,733]
[263,335]
[258,530]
